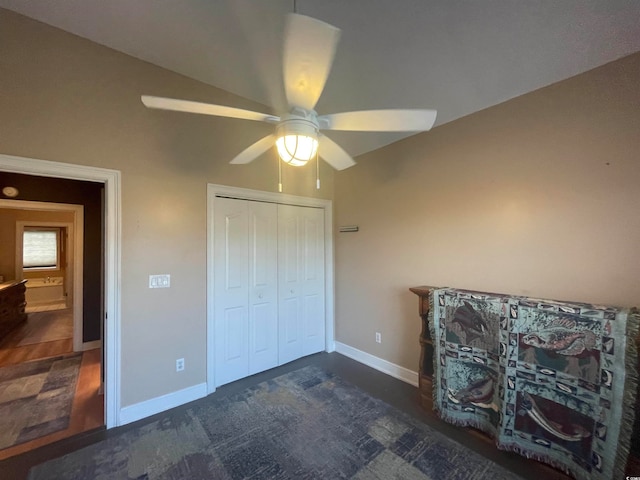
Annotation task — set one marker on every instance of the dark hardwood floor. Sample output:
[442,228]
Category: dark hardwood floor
[377,384]
[46,334]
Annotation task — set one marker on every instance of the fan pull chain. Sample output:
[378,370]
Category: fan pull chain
[279,174]
[317,171]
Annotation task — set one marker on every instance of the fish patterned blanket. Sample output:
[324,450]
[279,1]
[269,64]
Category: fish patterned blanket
[554,381]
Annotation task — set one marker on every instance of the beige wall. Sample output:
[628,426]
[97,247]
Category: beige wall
[66,99]
[8,219]
[538,196]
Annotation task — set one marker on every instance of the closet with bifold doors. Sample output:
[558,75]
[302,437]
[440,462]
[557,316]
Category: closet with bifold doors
[269,285]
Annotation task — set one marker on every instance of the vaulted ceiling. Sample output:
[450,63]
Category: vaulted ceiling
[457,56]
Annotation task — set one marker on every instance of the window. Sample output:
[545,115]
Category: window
[41,248]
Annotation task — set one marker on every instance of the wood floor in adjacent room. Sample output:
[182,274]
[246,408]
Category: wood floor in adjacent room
[48,334]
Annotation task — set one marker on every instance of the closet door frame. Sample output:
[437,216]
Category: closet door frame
[214,191]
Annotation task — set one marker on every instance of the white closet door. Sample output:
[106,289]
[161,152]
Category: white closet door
[231,270]
[263,286]
[246,292]
[300,281]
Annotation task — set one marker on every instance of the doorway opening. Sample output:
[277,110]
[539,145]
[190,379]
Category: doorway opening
[55,375]
[106,361]
[58,285]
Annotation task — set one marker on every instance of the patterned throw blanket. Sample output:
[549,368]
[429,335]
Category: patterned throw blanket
[553,381]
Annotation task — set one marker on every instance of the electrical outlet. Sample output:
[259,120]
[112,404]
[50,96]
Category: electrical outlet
[378,337]
[179,364]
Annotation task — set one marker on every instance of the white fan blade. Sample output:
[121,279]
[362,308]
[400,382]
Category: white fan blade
[380,121]
[205,109]
[254,151]
[333,154]
[308,54]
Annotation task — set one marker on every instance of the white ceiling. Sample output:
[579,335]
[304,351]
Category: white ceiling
[457,56]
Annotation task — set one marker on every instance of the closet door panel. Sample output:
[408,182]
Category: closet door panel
[231,314]
[233,335]
[288,245]
[312,288]
[263,255]
[313,321]
[290,341]
[290,344]
[301,281]
[312,249]
[263,286]
[262,343]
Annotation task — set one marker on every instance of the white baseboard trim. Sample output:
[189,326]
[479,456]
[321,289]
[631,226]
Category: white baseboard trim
[380,364]
[91,345]
[150,407]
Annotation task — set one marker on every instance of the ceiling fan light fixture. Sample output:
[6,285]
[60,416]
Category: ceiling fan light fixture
[297,141]
[297,150]
[308,53]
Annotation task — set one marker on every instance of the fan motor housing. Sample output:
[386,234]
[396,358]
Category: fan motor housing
[294,123]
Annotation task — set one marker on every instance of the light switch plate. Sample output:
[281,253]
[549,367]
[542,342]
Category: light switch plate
[160,281]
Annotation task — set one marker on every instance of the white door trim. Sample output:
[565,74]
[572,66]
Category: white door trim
[112,188]
[213,191]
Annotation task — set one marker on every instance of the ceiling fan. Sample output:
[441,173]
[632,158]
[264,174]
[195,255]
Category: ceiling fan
[309,49]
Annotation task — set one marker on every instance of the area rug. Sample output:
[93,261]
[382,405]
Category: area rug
[36,398]
[308,424]
[554,381]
